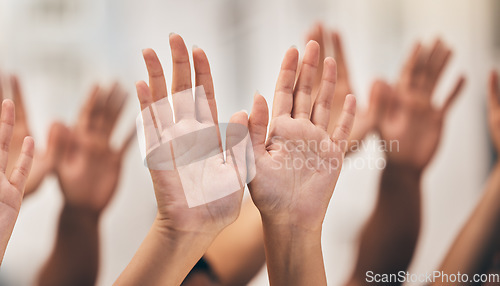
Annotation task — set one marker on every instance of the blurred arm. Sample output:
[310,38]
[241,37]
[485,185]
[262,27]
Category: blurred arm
[389,238]
[237,254]
[75,257]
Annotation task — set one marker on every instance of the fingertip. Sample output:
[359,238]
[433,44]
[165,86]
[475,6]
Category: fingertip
[312,44]
[148,54]
[330,63]
[350,102]
[28,145]
[7,104]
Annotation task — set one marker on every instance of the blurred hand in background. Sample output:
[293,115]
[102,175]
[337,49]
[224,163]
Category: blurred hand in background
[366,120]
[88,170]
[43,163]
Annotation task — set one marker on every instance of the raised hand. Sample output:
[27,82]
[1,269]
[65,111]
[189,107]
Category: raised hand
[297,166]
[411,119]
[198,190]
[43,162]
[411,128]
[11,186]
[88,167]
[197,121]
[366,120]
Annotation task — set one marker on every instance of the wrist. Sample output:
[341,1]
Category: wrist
[290,227]
[77,219]
[172,230]
[405,169]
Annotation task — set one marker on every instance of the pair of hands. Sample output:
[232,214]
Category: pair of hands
[402,113]
[86,165]
[283,192]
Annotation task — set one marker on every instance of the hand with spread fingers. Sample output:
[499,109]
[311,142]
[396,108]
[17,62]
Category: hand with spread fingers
[297,165]
[366,120]
[43,162]
[411,127]
[411,119]
[11,186]
[198,190]
[88,171]
[88,167]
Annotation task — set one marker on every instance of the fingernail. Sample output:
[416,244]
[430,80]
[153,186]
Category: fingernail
[195,47]
[171,33]
[293,47]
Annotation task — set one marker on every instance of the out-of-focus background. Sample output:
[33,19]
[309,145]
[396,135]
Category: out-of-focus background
[60,47]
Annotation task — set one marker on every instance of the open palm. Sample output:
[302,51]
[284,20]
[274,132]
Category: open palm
[299,163]
[11,187]
[196,188]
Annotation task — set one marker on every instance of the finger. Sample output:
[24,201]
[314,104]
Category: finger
[438,60]
[453,95]
[149,125]
[182,96]
[493,90]
[321,110]
[90,113]
[339,56]
[344,125]
[128,141]
[22,169]
[56,145]
[113,107]
[236,137]
[283,95]
[379,101]
[7,118]
[144,94]
[257,124]
[157,81]
[18,99]
[160,112]
[303,89]
[411,63]
[317,34]
[205,105]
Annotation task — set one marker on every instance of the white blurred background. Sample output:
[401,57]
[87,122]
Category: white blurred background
[60,47]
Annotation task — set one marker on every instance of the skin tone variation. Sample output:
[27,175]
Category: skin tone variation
[293,200]
[88,170]
[179,232]
[388,239]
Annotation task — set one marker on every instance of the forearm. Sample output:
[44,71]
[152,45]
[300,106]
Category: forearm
[294,255]
[75,257]
[473,250]
[237,254]
[165,256]
[390,236]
